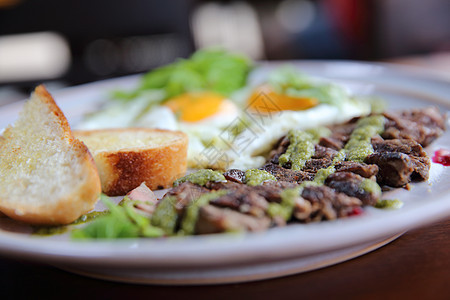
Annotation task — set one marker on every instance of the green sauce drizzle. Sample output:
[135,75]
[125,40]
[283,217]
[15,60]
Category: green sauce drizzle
[60,229]
[255,177]
[301,146]
[165,215]
[389,204]
[201,177]
[370,186]
[301,149]
[359,146]
[322,174]
[285,208]
[191,214]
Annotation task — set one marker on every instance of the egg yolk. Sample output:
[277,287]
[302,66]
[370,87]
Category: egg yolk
[264,99]
[195,106]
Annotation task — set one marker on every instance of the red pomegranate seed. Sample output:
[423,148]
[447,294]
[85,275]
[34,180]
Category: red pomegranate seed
[442,156]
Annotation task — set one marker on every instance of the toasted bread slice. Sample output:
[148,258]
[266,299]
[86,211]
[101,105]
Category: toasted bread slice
[46,175]
[126,158]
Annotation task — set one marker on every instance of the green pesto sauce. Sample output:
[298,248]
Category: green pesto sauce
[201,177]
[301,148]
[60,229]
[165,215]
[49,230]
[255,177]
[370,186]
[359,146]
[318,132]
[322,174]
[89,217]
[389,204]
[285,208]
[377,105]
[191,214]
[340,156]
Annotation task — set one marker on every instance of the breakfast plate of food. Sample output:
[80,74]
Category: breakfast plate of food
[216,169]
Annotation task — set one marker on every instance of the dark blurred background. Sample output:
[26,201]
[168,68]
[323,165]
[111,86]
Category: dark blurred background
[71,42]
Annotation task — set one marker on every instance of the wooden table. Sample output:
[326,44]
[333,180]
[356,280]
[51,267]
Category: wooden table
[415,266]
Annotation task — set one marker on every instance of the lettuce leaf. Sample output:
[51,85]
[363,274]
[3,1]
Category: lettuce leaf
[209,69]
[123,221]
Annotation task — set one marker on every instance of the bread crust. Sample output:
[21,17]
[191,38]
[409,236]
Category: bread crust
[71,206]
[125,169]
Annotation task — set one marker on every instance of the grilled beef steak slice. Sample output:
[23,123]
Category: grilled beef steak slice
[405,146]
[280,147]
[331,143]
[395,169]
[418,161]
[235,175]
[362,169]
[283,174]
[352,185]
[244,201]
[324,152]
[185,193]
[420,125]
[270,190]
[325,204]
[213,219]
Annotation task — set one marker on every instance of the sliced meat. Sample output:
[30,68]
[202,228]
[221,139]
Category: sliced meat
[324,152]
[323,203]
[420,125]
[421,168]
[406,146]
[142,193]
[352,185]
[235,175]
[213,219]
[395,169]
[332,143]
[362,169]
[270,190]
[340,133]
[314,165]
[400,160]
[184,194]
[243,200]
[283,174]
[280,147]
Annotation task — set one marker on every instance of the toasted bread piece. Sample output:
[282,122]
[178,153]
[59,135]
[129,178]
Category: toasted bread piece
[46,175]
[126,158]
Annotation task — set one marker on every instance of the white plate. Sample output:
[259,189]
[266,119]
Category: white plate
[277,252]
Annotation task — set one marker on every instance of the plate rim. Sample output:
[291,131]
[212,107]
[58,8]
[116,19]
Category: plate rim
[14,246]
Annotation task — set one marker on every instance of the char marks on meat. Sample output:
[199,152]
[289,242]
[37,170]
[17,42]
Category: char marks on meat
[185,193]
[362,169]
[283,174]
[212,219]
[421,125]
[331,143]
[351,185]
[235,175]
[398,159]
[324,204]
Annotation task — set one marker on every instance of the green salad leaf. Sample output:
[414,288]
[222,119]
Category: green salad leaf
[122,221]
[208,69]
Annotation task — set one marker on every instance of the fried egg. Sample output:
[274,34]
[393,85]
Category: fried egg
[269,116]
